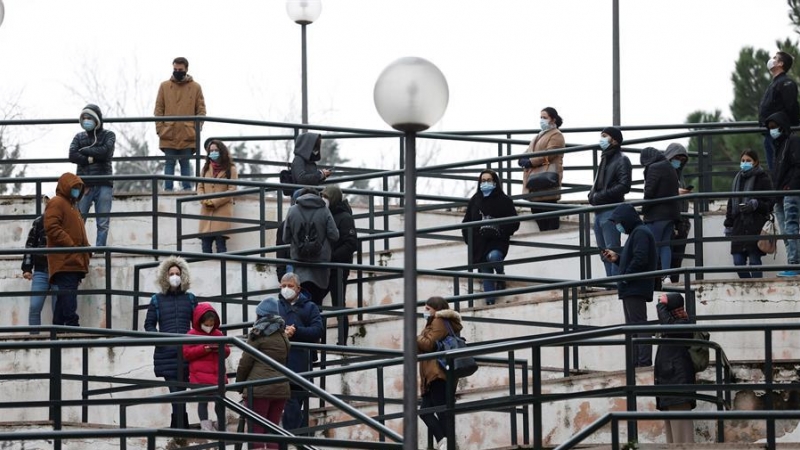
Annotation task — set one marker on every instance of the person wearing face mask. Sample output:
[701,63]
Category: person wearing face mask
[660,182]
[171,311]
[34,268]
[489,243]
[786,176]
[179,96]
[64,227]
[612,182]
[303,324]
[637,256]
[92,150]
[432,377]
[780,96]
[549,138]
[745,216]
[678,157]
[218,166]
[307,152]
[204,358]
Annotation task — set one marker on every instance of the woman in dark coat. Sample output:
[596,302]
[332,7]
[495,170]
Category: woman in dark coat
[674,366]
[489,242]
[745,216]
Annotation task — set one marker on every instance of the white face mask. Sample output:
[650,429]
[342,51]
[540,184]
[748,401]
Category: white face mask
[288,293]
[544,124]
[770,64]
[327,202]
[207,329]
[174,280]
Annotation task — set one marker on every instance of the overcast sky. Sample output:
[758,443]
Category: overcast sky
[504,60]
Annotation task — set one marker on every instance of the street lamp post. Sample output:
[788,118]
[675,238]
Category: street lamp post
[411,94]
[303,12]
[2,12]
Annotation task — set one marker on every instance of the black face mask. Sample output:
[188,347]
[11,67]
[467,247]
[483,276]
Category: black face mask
[178,74]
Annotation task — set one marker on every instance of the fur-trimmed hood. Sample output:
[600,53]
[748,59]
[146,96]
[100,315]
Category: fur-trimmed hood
[163,270]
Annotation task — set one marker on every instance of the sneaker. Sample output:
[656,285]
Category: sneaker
[666,281]
[442,445]
[788,273]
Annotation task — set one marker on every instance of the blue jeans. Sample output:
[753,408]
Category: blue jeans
[101,196]
[496,257]
[740,259]
[607,236]
[662,230]
[787,214]
[206,243]
[40,282]
[66,311]
[185,158]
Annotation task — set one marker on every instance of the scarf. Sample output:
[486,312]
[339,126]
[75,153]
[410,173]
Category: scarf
[605,155]
[267,325]
[679,313]
[743,182]
[216,168]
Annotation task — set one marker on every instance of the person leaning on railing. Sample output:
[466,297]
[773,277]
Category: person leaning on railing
[549,138]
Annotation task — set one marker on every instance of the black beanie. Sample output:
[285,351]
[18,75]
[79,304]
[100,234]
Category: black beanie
[615,134]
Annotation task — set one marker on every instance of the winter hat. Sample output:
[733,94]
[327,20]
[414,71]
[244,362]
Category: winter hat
[267,306]
[92,111]
[615,134]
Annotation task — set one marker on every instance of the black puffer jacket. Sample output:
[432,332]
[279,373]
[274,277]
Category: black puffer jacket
[748,223]
[37,238]
[638,255]
[613,178]
[495,206]
[673,363]
[660,181]
[787,155]
[99,145]
[780,96]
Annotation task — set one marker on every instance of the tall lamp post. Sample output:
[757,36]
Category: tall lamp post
[304,12]
[2,12]
[411,94]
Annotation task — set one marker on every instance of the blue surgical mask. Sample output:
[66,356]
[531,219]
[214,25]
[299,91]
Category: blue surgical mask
[544,124]
[604,143]
[487,188]
[88,124]
[675,163]
[75,192]
[620,228]
[213,156]
[775,133]
[426,314]
[746,165]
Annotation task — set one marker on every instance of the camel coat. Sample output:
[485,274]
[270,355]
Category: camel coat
[63,226]
[549,140]
[223,207]
[434,331]
[178,98]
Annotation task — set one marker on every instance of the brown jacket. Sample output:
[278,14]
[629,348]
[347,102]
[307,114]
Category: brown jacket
[276,346]
[434,331]
[223,206]
[184,98]
[64,227]
[549,140]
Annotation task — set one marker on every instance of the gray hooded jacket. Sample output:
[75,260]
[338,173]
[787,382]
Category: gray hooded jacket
[310,208]
[304,165]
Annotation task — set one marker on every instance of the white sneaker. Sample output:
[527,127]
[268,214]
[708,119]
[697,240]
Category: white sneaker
[206,425]
[442,445]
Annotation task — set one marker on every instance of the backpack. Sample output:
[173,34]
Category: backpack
[154,302]
[698,353]
[463,367]
[309,245]
[286,177]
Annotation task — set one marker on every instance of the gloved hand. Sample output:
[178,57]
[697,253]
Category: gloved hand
[525,162]
[728,231]
[750,206]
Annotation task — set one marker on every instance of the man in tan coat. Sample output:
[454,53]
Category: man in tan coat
[179,96]
[63,226]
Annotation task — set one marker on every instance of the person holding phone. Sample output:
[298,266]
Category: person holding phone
[678,157]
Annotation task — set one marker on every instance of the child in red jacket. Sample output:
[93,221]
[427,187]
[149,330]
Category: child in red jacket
[204,358]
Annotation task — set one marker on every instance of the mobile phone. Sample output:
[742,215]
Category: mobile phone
[689,187]
[741,205]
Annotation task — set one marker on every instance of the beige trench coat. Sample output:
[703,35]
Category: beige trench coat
[223,207]
[551,139]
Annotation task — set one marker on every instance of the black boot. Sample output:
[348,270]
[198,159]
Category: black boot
[172,421]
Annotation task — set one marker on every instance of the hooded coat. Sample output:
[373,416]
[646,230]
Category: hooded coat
[63,226]
[276,346]
[310,208]
[494,206]
[304,315]
[204,365]
[787,155]
[347,244]
[613,179]
[660,181]
[179,98]
[748,223]
[673,363]
[549,140]
[170,311]
[638,255]
[99,145]
[435,330]
[223,206]
[304,164]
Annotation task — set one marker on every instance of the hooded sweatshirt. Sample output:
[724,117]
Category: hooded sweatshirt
[494,206]
[63,227]
[97,144]
[203,364]
[637,256]
[787,155]
[660,181]
[311,209]
[304,165]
